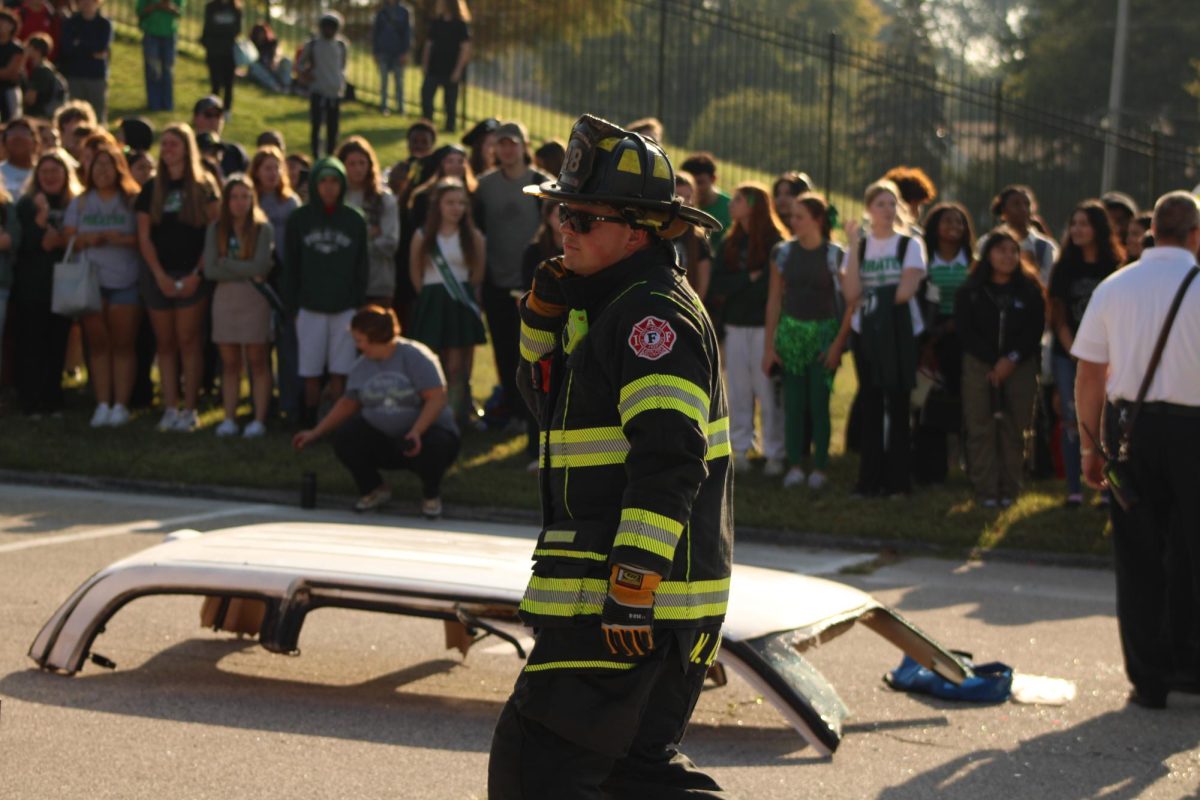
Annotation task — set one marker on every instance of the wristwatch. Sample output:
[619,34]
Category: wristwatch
[178,285]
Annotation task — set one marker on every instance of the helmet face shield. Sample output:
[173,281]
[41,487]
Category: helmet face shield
[607,164]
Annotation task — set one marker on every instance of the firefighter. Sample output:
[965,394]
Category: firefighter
[630,582]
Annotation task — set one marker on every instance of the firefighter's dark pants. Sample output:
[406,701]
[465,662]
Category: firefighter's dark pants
[604,733]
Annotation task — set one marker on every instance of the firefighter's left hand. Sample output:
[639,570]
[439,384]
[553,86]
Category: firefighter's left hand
[628,616]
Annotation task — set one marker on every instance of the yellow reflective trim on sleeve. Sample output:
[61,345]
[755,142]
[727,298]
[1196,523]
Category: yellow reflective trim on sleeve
[691,600]
[585,554]
[549,665]
[535,343]
[661,391]
[649,531]
[718,439]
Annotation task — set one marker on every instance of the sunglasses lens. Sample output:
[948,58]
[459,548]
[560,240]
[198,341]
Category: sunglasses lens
[580,223]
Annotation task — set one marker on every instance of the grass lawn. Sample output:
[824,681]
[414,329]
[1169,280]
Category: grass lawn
[491,471]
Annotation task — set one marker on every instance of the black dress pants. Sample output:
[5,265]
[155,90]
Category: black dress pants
[365,450]
[600,734]
[41,350]
[1156,546]
[449,88]
[885,448]
[325,111]
[220,76]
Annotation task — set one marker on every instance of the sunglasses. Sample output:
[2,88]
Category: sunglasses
[581,221]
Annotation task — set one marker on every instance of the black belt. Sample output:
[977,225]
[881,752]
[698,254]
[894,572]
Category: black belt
[1162,409]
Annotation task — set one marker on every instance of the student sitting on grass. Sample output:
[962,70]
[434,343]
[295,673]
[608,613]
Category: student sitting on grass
[394,415]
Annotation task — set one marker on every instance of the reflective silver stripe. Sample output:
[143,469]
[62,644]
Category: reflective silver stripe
[589,448]
[698,599]
[652,392]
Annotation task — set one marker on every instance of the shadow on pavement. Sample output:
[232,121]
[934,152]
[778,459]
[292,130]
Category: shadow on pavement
[1117,755]
[185,684]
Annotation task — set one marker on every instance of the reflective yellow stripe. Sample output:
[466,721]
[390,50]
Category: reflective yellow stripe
[673,600]
[718,439]
[560,537]
[712,656]
[683,600]
[648,531]
[579,665]
[570,554]
[659,391]
[701,640]
[535,343]
[587,447]
[564,597]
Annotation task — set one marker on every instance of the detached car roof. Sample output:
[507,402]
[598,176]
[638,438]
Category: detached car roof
[475,583]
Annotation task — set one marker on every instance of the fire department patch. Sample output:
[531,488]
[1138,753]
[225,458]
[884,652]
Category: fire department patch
[652,338]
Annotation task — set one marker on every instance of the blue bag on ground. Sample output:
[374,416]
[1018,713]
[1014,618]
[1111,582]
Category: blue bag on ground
[992,682]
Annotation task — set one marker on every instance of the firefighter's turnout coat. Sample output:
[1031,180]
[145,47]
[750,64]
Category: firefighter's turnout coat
[634,450]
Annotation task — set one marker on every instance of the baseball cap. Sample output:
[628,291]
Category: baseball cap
[209,103]
[208,141]
[482,129]
[512,130]
[137,132]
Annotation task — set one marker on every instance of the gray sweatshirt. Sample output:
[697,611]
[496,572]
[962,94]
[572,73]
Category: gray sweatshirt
[327,59]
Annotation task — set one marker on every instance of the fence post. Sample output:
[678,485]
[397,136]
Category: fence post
[662,59]
[829,89]
[997,133]
[1154,144]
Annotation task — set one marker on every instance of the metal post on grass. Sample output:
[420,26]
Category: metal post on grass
[997,132]
[829,89]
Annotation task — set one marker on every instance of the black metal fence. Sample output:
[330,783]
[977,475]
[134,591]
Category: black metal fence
[765,98]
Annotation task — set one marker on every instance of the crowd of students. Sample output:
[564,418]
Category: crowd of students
[951,337]
[213,260]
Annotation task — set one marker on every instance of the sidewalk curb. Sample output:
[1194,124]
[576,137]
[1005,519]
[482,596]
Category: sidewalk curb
[911,549]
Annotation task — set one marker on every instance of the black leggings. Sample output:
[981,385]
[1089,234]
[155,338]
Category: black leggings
[327,110]
[220,76]
[41,338]
[364,450]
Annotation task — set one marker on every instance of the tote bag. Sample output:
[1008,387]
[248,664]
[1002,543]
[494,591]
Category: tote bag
[76,286]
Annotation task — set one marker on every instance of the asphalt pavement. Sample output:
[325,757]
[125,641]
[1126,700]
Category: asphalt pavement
[376,707]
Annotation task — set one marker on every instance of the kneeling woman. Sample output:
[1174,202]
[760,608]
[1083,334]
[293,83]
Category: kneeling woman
[394,414]
[999,313]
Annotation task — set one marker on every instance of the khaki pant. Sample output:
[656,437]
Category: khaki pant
[996,426]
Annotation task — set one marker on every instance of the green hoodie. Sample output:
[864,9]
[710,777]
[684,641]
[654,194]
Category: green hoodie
[326,263]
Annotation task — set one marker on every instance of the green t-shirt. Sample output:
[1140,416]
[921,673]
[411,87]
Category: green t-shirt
[719,209]
[159,23]
[947,277]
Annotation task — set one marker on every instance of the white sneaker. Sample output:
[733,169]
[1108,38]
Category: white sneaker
[431,508]
[794,478]
[170,419]
[254,430]
[374,499]
[227,428]
[817,481]
[101,417]
[186,421]
[774,467]
[118,416]
[741,463]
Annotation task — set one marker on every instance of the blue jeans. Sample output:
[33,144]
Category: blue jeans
[158,54]
[391,66]
[1064,379]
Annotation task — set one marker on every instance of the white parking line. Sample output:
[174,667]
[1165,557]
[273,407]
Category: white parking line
[138,526]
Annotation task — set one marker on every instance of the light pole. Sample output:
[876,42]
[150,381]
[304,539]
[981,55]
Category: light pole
[1108,173]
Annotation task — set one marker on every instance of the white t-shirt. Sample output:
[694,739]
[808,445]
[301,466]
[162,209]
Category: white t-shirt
[1123,321]
[880,267]
[451,249]
[14,177]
